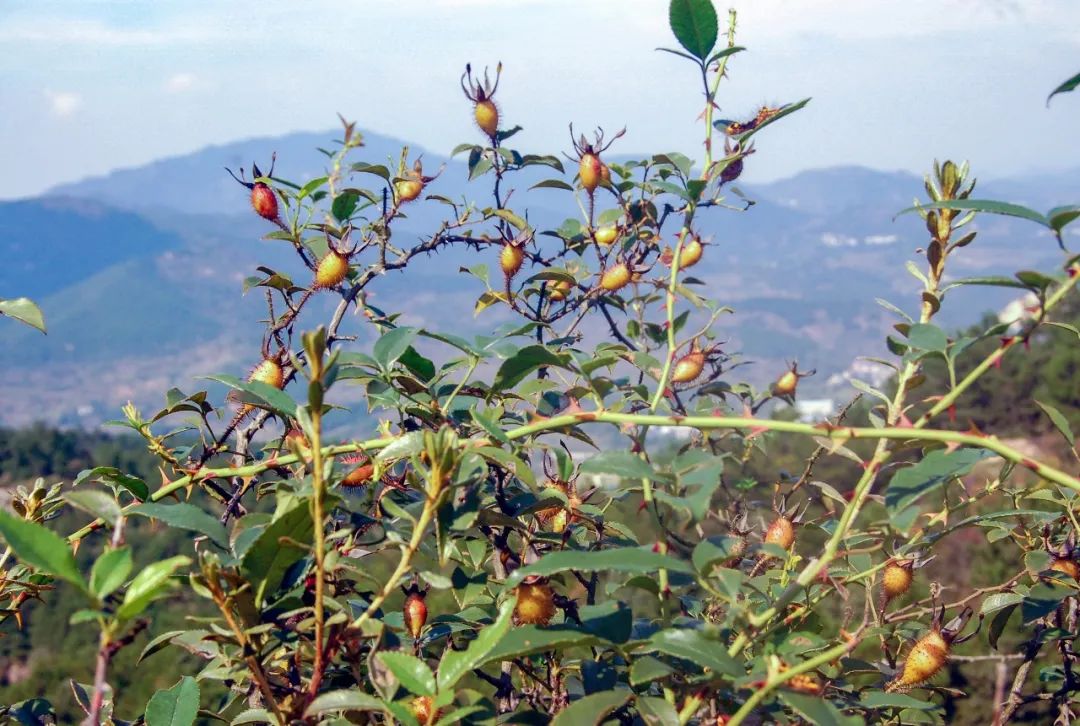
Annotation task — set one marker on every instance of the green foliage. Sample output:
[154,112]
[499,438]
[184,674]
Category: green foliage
[552,522]
[23,310]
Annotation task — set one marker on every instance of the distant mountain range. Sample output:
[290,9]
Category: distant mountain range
[139,271]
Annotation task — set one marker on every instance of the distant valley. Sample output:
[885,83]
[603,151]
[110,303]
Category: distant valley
[139,272]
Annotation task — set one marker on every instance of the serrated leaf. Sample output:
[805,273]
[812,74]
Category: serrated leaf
[135,486]
[344,700]
[40,548]
[695,26]
[999,600]
[524,362]
[25,311]
[880,699]
[816,710]
[456,663]
[1044,599]
[109,571]
[998,623]
[266,560]
[646,669]
[592,710]
[552,184]
[987,206]
[176,706]
[411,672]
[927,337]
[186,516]
[1060,422]
[633,560]
[1060,217]
[259,394]
[619,463]
[392,345]
[1070,85]
[693,646]
[931,473]
[151,583]
[96,502]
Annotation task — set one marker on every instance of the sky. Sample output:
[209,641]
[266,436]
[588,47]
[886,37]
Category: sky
[89,86]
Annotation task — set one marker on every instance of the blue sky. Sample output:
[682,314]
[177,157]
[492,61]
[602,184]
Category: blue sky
[89,86]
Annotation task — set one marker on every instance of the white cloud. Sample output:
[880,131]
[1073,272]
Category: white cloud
[180,82]
[66,31]
[63,104]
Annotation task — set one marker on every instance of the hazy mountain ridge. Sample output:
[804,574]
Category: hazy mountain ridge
[162,250]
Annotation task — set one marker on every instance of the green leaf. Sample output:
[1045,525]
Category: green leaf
[655,711]
[927,337]
[552,184]
[259,394]
[151,583]
[937,468]
[880,699]
[392,345]
[252,715]
[488,423]
[988,206]
[40,548]
[311,186]
[512,218]
[530,358]
[634,560]
[344,205]
[1059,217]
[344,700]
[23,310]
[456,663]
[376,169]
[1044,599]
[715,550]
[816,710]
[177,706]
[999,600]
[987,281]
[266,560]
[619,463]
[720,54]
[410,671]
[186,516]
[1060,422]
[592,710]
[96,502]
[530,639]
[695,647]
[744,137]
[109,571]
[695,26]
[998,623]
[646,669]
[135,486]
[1067,86]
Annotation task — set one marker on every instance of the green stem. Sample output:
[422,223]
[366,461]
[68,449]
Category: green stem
[318,666]
[407,553]
[234,471]
[991,360]
[778,679]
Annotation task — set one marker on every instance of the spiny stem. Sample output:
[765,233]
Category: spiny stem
[991,360]
[407,553]
[222,602]
[778,679]
[317,517]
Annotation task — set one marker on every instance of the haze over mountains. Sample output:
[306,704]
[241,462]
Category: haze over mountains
[139,272]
